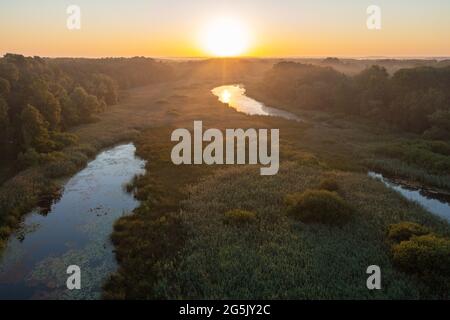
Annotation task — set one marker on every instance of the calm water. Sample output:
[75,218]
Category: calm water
[75,231]
[437,206]
[234,96]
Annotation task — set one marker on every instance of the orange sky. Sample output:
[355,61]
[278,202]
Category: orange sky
[173,28]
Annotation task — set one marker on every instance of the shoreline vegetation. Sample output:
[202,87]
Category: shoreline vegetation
[83,104]
[226,232]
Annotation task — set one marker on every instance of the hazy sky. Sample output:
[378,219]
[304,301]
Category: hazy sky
[276,28]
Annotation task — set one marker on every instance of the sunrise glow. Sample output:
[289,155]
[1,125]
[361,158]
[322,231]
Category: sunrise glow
[225,37]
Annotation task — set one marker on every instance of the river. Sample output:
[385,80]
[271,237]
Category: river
[76,231]
[433,203]
[234,96]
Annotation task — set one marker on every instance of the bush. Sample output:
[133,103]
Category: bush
[405,230]
[58,169]
[87,149]
[29,158]
[63,139]
[329,184]
[427,256]
[78,158]
[319,206]
[238,217]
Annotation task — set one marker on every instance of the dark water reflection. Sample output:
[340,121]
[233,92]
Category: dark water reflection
[75,231]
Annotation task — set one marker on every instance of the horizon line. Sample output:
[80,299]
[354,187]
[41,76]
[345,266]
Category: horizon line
[168,57]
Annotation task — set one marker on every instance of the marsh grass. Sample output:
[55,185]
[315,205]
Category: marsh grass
[175,244]
[280,257]
[196,256]
[239,217]
[398,169]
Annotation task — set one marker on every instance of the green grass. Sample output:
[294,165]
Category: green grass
[177,244]
[398,169]
[432,156]
[280,257]
[239,217]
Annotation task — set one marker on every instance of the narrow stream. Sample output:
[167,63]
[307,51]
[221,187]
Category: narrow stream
[234,96]
[75,232]
[433,204]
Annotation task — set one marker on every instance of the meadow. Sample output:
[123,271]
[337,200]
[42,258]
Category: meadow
[224,232]
[309,232]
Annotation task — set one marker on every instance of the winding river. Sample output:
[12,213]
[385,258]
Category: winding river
[75,232]
[234,96]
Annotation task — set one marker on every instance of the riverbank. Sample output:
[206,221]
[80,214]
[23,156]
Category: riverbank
[75,230]
[120,123]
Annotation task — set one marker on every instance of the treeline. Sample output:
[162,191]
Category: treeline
[414,99]
[40,99]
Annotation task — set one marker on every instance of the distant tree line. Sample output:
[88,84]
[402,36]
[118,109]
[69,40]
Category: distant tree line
[40,99]
[413,99]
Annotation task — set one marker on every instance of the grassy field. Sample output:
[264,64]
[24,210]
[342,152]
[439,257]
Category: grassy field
[180,242]
[225,231]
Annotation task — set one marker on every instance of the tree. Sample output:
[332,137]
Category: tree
[87,104]
[4,121]
[46,103]
[411,112]
[9,71]
[103,87]
[373,87]
[440,125]
[35,130]
[5,87]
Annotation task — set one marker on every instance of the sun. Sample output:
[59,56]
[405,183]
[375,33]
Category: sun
[225,37]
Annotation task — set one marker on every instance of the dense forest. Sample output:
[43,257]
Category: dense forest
[40,99]
[414,99]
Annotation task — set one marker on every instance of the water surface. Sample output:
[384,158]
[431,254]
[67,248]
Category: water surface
[75,232]
[432,203]
[234,96]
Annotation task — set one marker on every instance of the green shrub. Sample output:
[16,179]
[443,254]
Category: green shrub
[238,217]
[58,169]
[5,231]
[329,184]
[87,149]
[63,139]
[405,230]
[78,158]
[319,206]
[427,256]
[29,158]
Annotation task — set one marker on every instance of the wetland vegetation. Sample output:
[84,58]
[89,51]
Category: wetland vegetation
[308,232]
